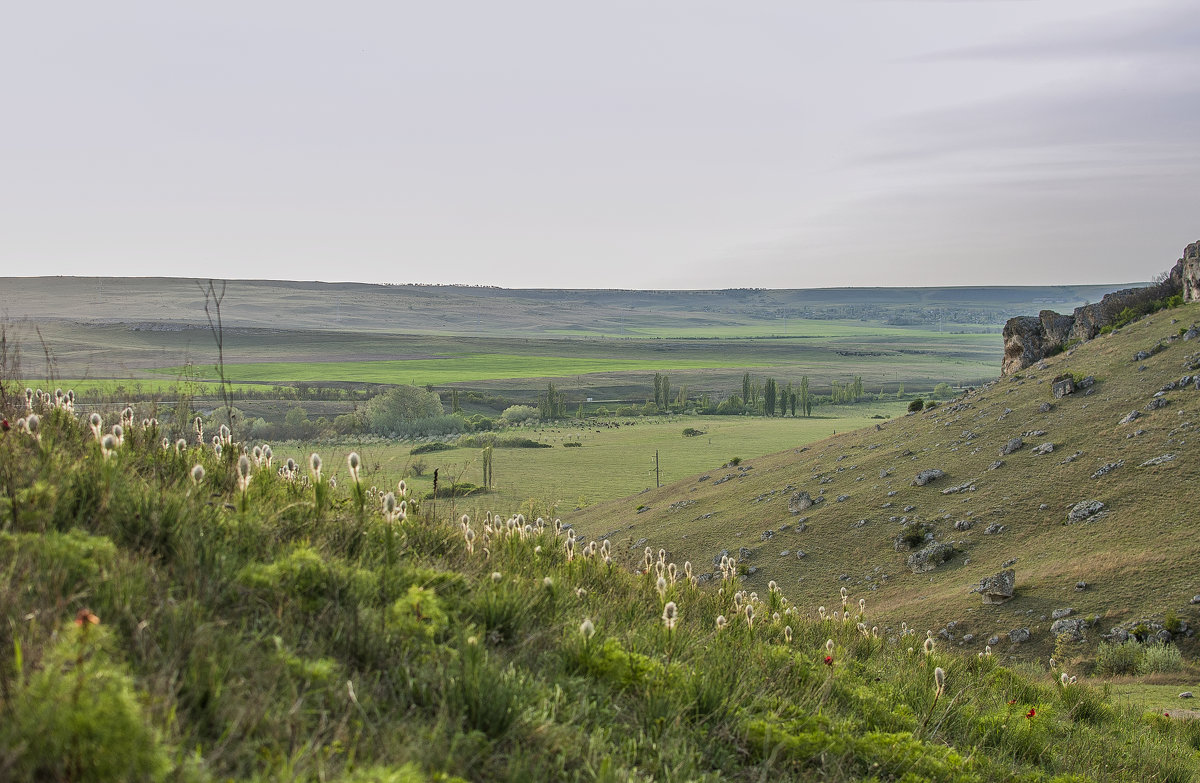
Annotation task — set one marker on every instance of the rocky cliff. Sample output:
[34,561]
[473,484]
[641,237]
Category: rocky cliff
[1028,339]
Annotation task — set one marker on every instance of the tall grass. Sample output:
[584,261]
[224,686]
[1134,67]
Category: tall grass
[301,637]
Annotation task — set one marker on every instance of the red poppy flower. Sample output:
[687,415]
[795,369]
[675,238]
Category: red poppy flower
[1166,714]
[1012,701]
[829,660]
[86,616]
[4,425]
[1031,713]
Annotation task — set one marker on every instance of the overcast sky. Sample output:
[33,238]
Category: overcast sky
[624,143]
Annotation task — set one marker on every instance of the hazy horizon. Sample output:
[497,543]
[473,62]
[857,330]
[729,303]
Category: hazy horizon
[666,146]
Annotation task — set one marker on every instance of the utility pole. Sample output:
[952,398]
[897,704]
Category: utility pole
[657,475]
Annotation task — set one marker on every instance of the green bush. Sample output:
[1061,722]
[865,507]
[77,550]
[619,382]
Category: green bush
[78,718]
[516,414]
[692,432]
[1118,659]
[916,405]
[1161,658]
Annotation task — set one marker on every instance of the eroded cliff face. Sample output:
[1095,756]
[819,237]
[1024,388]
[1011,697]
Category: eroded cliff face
[1191,272]
[1029,339]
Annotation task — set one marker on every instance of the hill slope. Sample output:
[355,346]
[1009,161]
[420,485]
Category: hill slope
[190,614]
[1012,511]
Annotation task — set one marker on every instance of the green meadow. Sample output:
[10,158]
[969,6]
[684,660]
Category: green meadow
[611,461]
[458,368]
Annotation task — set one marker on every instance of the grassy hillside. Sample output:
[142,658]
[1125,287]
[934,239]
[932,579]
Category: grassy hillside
[178,614]
[1134,557]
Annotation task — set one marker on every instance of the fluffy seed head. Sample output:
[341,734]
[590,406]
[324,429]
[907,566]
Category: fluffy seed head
[670,615]
[197,474]
[939,680]
[108,445]
[314,465]
[587,628]
[829,645]
[929,646]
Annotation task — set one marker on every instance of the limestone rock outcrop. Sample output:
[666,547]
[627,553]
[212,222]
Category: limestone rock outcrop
[1029,339]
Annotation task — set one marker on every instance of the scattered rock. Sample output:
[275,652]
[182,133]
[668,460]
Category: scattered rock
[1044,448]
[716,558]
[993,529]
[1073,628]
[1018,635]
[1081,585]
[744,554]
[993,640]
[1196,599]
[1084,509]
[996,465]
[999,588]
[841,498]
[1157,461]
[802,501]
[1104,470]
[963,524]
[1011,446]
[785,553]
[1191,333]
[1131,416]
[767,535]
[1156,403]
[929,558]
[967,487]
[1186,694]
[1062,386]
[1045,407]
[1058,614]
[1086,383]
[926,476]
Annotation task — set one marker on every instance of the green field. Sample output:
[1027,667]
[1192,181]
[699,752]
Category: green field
[611,462]
[458,368]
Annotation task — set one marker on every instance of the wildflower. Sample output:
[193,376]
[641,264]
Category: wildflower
[226,435]
[267,454]
[581,592]
[243,469]
[570,544]
[829,645]
[314,466]
[108,445]
[85,617]
[671,572]
[166,444]
[661,587]
[821,612]
[4,425]
[119,433]
[750,616]
[772,586]
[95,422]
[1072,680]
[829,660]
[496,577]
[587,628]
[862,606]
[787,634]
[401,489]
[1032,712]
[33,424]
[197,472]
[987,650]
[547,583]
[1065,679]
[721,622]
[537,550]
[289,466]
[354,462]
[670,615]
[939,680]
[217,449]
[929,644]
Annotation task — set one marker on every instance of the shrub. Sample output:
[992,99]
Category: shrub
[574,444]
[1159,658]
[78,717]
[515,414]
[691,432]
[916,405]
[735,461]
[930,404]
[396,409]
[1123,658]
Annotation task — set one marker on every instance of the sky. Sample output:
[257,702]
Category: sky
[621,144]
